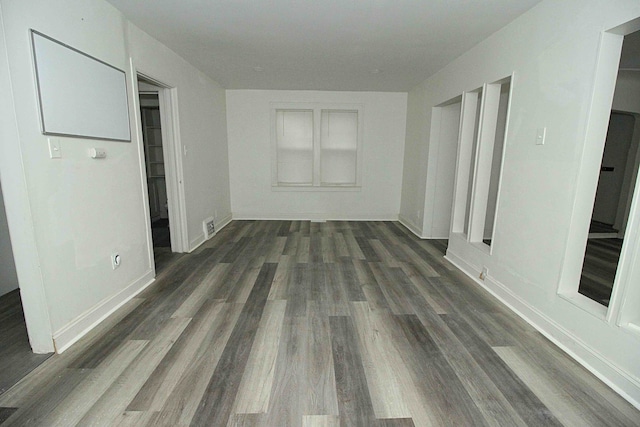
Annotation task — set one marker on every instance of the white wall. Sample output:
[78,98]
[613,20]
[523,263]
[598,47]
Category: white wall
[8,276]
[70,214]
[627,89]
[202,131]
[447,133]
[248,124]
[553,51]
[414,172]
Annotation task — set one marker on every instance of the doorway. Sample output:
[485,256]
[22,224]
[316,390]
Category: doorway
[159,144]
[616,184]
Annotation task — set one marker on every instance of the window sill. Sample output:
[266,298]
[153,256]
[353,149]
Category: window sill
[595,309]
[309,188]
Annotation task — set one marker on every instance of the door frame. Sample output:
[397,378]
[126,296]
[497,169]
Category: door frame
[172,151]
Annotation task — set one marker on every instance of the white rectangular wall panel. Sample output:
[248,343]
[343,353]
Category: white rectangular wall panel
[79,95]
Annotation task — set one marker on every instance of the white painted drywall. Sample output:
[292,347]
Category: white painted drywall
[627,89]
[445,175]
[70,214]
[202,131]
[249,130]
[414,173]
[8,276]
[553,50]
[19,214]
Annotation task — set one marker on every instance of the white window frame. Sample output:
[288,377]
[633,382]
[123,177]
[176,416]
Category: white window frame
[317,108]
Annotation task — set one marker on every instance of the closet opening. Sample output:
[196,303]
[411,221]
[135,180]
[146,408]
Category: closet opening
[161,159]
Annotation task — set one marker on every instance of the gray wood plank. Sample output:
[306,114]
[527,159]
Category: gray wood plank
[255,389]
[523,400]
[5,413]
[320,397]
[288,392]
[354,402]
[216,404]
[350,323]
[437,377]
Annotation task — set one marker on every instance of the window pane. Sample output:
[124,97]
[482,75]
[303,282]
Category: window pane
[294,136]
[338,147]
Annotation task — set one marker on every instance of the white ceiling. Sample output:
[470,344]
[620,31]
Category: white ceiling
[321,44]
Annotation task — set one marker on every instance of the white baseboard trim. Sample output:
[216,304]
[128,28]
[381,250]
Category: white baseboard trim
[625,385]
[195,243]
[411,226]
[255,216]
[223,222]
[200,239]
[81,325]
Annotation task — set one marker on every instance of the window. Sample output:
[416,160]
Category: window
[316,146]
[295,147]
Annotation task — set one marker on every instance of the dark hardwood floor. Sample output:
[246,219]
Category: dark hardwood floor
[164,258]
[292,323]
[16,357]
[161,234]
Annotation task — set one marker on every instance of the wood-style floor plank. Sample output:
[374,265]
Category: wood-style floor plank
[216,403]
[354,402]
[523,400]
[321,398]
[380,367]
[255,388]
[16,358]
[116,398]
[77,403]
[293,323]
[182,403]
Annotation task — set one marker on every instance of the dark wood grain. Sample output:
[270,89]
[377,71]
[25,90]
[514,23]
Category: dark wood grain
[5,413]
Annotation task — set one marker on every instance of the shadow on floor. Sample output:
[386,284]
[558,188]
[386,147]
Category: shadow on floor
[16,357]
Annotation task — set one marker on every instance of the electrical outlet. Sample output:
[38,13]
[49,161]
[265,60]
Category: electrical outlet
[484,273]
[115,260]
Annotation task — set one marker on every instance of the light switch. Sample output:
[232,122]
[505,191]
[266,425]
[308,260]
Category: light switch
[54,148]
[541,134]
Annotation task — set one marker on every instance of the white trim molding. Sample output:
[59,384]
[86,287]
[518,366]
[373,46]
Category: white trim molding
[81,325]
[309,216]
[410,225]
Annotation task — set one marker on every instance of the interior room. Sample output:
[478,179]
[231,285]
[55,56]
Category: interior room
[352,213]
